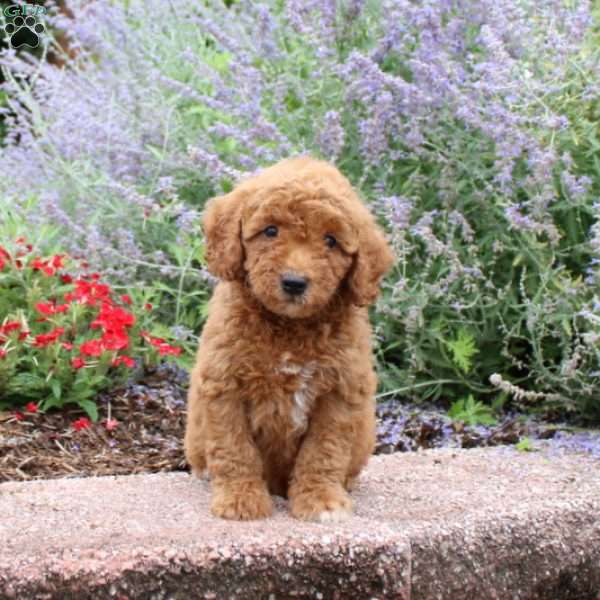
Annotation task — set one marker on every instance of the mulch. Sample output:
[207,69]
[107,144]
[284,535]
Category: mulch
[147,438]
[141,426]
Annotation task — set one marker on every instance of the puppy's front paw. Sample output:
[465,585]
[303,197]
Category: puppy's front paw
[328,504]
[244,501]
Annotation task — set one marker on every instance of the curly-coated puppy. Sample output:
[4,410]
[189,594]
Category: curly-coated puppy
[282,395]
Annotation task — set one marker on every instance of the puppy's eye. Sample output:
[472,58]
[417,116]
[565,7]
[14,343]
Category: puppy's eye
[330,241]
[271,231]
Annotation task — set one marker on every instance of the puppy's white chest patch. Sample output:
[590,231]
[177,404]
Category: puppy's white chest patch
[304,396]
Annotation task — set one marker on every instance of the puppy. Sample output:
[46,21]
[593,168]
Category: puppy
[281,399]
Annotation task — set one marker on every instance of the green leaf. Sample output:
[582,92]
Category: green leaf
[471,412]
[525,445]
[463,349]
[90,408]
[56,389]
[483,418]
[50,402]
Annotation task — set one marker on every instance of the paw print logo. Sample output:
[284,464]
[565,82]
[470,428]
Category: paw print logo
[24,32]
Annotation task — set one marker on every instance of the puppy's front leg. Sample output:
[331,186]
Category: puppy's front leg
[317,488]
[234,462]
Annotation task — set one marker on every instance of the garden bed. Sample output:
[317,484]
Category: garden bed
[480,167]
[141,426]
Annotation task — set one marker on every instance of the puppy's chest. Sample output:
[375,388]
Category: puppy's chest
[303,381]
[286,398]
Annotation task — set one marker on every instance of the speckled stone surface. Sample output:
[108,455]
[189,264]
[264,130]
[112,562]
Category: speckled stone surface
[448,524]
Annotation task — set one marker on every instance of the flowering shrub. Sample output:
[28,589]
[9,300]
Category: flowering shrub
[470,126]
[64,337]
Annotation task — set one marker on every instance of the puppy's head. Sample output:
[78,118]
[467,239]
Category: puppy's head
[298,234]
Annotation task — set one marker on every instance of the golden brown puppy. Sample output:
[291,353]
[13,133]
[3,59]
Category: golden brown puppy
[282,395]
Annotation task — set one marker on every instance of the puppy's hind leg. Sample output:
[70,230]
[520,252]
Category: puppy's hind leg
[196,456]
[363,446]
[194,441]
[199,468]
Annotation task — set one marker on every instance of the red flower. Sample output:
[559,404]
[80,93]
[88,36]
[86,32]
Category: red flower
[58,261]
[66,278]
[8,327]
[4,257]
[23,335]
[111,424]
[126,299]
[38,264]
[161,345]
[154,341]
[3,353]
[19,416]
[77,362]
[50,308]
[45,339]
[31,407]
[115,340]
[125,360]
[164,349]
[67,345]
[45,309]
[20,240]
[92,348]
[113,318]
[4,253]
[89,293]
[81,423]
[148,306]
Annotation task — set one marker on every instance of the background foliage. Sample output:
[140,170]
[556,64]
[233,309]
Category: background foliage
[470,126]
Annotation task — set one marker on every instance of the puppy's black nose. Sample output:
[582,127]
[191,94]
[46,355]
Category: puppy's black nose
[293,285]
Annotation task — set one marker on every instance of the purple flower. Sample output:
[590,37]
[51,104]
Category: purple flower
[332,136]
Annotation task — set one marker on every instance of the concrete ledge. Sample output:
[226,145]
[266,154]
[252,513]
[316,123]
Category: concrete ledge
[452,525]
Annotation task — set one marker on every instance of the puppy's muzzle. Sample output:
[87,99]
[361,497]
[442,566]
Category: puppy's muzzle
[293,285]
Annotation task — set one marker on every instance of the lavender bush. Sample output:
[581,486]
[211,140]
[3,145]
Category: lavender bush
[469,125]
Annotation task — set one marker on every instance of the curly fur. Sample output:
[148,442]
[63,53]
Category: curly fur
[282,394]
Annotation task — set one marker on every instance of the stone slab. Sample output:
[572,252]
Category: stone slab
[443,524]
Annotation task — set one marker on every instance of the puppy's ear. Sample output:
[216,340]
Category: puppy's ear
[222,224]
[371,262]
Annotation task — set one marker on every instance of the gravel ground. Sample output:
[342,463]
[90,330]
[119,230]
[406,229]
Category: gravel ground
[140,430]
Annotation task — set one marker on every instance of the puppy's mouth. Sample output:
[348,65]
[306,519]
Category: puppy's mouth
[295,304]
